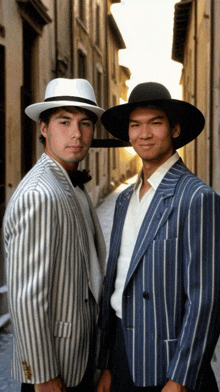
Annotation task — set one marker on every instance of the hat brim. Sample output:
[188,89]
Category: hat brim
[191,120]
[33,111]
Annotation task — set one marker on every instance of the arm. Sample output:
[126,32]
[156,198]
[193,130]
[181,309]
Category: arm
[31,241]
[201,270]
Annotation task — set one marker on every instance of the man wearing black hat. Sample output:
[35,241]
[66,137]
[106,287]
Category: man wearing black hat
[55,250]
[161,304]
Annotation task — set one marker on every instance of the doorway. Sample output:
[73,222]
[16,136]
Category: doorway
[28,127]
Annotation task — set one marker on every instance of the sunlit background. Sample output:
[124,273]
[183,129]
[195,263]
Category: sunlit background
[147,29]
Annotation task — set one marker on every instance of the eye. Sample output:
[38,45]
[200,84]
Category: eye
[64,122]
[156,122]
[87,123]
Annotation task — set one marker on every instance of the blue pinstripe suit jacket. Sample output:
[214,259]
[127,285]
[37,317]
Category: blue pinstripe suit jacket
[48,274]
[171,299]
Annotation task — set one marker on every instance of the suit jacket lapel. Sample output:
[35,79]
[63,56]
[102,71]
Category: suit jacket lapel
[118,224]
[159,211]
[95,268]
[122,207]
[67,186]
[96,264]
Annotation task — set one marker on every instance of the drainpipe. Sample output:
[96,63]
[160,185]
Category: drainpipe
[211,103]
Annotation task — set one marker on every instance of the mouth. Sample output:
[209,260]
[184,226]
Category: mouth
[146,145]
[75,148]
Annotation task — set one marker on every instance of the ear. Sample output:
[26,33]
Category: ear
[175,131]
[43,129]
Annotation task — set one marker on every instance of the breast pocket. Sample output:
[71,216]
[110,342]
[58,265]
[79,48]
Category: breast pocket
[62,329]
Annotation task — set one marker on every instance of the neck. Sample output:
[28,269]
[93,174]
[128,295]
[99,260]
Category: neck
[70,167]
[73,168]
[150,166]
[148,170]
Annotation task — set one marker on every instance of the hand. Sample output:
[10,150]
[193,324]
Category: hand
[104,384]
[54,385]
[172,386]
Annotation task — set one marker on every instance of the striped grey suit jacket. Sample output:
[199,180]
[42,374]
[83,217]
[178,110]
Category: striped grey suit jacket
[48,263]
[171,299]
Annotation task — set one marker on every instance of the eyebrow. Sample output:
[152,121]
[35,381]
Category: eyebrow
[62,116]
[150,119]
[66,117]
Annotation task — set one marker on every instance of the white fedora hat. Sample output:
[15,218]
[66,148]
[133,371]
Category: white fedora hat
[66,92]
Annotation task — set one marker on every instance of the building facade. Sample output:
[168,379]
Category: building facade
[196,46]
[39,41]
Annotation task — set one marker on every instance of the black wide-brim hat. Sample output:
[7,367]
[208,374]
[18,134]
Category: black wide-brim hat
[191,120]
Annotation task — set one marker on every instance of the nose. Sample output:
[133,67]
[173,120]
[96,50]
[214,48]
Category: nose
[75,132]
[145,132]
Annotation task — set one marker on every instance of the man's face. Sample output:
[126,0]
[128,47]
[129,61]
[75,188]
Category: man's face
[68,137]
[151,136]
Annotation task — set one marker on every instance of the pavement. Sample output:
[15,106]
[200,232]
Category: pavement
[105,212]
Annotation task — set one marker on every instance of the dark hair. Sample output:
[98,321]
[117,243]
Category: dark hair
[46,115]
[172,116]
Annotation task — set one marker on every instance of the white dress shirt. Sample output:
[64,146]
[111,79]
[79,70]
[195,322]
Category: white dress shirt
[136,212]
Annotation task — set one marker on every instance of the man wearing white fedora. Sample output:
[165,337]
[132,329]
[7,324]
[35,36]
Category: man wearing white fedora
[54,249]
[160,318]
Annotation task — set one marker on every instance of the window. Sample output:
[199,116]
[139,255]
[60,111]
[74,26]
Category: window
[99,87]
[114,157]
[113,64]
[99,101]
[114,165]
[114,100]
[28,128]
[97,41]
[82,69]
[82,10]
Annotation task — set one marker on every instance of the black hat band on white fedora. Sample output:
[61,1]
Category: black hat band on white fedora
[67,98]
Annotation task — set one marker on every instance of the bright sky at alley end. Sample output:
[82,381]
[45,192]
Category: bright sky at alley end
[147,29]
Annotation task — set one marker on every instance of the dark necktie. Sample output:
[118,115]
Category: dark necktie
[80,177]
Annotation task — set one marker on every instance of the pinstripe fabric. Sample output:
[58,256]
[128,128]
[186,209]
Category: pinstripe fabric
[171,300]
[47,254]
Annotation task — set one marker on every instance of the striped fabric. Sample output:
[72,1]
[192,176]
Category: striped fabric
[47,255]
[171,300]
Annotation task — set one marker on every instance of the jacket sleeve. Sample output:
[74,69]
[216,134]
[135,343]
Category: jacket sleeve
[31,238]
[201,269]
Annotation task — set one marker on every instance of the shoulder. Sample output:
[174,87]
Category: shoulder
[192,193]
[189,183]
[40,184]
[125,194]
